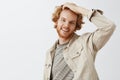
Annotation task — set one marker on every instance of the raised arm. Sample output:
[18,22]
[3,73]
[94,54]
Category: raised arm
[105,27]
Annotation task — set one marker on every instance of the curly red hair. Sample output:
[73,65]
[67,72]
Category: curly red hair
[56,15]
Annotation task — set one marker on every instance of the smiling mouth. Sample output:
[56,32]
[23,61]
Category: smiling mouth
[65,30]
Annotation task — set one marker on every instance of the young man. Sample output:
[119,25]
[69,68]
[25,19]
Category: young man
[72,56]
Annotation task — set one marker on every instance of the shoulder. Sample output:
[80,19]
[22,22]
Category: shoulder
[85,36]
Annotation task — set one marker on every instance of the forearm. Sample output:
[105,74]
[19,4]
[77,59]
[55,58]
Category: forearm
[99,20]
[95,16]
[77,9]
[83,11]
[105,29]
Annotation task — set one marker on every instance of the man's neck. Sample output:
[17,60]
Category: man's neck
[64,40]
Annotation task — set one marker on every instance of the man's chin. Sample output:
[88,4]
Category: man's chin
[64,36]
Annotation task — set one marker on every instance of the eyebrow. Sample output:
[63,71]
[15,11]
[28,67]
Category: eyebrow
[70,21]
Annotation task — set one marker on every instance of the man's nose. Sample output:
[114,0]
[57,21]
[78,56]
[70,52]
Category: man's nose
[66,24]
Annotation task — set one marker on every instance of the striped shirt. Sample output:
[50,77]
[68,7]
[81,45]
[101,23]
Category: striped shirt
[60,70]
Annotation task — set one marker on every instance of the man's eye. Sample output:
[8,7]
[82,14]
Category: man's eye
[72,23]
[63,20]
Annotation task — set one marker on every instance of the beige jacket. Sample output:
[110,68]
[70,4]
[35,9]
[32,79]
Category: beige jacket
[81,51]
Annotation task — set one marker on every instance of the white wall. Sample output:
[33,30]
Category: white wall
[26,32]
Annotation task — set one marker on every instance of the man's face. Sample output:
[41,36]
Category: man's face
[66,24]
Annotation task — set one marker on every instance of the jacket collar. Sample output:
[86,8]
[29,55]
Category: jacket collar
[52,49]
[75,36]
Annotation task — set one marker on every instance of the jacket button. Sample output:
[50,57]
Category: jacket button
[77,53]
[49,65]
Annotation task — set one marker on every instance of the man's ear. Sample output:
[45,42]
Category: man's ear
[56,24]
[75,30]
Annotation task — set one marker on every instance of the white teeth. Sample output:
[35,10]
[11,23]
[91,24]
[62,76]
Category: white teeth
[65,30]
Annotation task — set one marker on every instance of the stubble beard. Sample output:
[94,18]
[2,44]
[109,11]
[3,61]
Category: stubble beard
[66,35]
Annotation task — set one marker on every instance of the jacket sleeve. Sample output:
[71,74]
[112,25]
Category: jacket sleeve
[105,29]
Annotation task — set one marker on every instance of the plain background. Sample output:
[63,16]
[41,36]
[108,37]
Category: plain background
[26,32]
